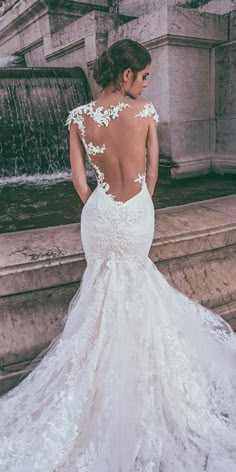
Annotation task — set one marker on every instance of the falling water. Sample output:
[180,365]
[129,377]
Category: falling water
[34,103]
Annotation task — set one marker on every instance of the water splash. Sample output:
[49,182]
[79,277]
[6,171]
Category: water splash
[12,61]
[39,179]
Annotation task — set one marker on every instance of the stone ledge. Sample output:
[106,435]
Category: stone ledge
[30,320]
[220,7]
[75,35]
[175,21]
[202,163]
[50,257]
[20,15]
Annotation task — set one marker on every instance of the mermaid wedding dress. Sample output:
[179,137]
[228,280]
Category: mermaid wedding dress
[142,379]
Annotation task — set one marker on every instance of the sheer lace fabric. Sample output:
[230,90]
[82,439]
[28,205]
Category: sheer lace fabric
[142,379]
[90,117]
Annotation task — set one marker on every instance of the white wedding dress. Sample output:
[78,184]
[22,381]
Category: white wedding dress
[142,379]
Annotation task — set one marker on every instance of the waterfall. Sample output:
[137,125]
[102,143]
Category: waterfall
[34,103]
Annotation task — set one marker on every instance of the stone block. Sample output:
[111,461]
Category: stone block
[201,277]
[224,163]
[219,7]
[191,165]
[212,134]
[85,35]
[35,57]
[232,26]
[24,38]
[188,79]
[225,135]
[193,24]
[36,317]
[69,59]
[176,22]
[158,82]
[225,106]
[226,81]
[189,137]
[36,261]
[144,29]
[164,136]
[141,7]
[203,163]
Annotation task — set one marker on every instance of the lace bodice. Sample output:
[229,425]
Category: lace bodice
[103,118]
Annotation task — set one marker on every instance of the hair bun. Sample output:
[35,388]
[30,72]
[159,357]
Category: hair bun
[104,71]
[120,56]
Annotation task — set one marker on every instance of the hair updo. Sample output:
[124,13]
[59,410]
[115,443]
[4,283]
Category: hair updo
[122,55]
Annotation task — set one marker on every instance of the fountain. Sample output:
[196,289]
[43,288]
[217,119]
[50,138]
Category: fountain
[35,177]
[35,103]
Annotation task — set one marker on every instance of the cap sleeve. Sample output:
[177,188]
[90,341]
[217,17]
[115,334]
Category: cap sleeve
[149,111]
[152,112]
[71,118]
[75,116]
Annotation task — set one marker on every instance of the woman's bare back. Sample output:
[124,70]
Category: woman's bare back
[114,136]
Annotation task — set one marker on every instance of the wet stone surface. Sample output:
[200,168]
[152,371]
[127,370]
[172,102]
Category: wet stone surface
[43,204]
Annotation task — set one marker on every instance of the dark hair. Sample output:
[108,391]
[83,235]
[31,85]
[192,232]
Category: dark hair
[120,56]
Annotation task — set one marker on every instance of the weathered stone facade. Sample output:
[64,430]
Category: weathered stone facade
[193,46]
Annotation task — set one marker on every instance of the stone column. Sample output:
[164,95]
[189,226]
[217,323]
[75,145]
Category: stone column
[186,87]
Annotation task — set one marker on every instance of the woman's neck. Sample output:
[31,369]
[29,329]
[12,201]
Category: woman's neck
[111,91]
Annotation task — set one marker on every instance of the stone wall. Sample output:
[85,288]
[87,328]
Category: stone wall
[225,98]
[220,7]
[193,67]
[183,43]
[142,7]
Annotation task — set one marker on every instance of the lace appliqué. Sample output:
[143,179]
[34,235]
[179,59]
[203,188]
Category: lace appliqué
[100,179]
[148,111]
[91,149]
[141,179]
[103,117]
[100,116]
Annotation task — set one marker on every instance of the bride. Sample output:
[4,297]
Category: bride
[142,379]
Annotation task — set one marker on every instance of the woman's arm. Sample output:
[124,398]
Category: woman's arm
[77,161]
[152,156]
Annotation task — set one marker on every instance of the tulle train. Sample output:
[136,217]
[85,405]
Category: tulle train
[142,379]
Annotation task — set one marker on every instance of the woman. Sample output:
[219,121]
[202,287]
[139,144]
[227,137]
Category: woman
[142,379]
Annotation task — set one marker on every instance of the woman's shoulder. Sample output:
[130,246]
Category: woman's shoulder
[144,109]
[75,115]
[140,107]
